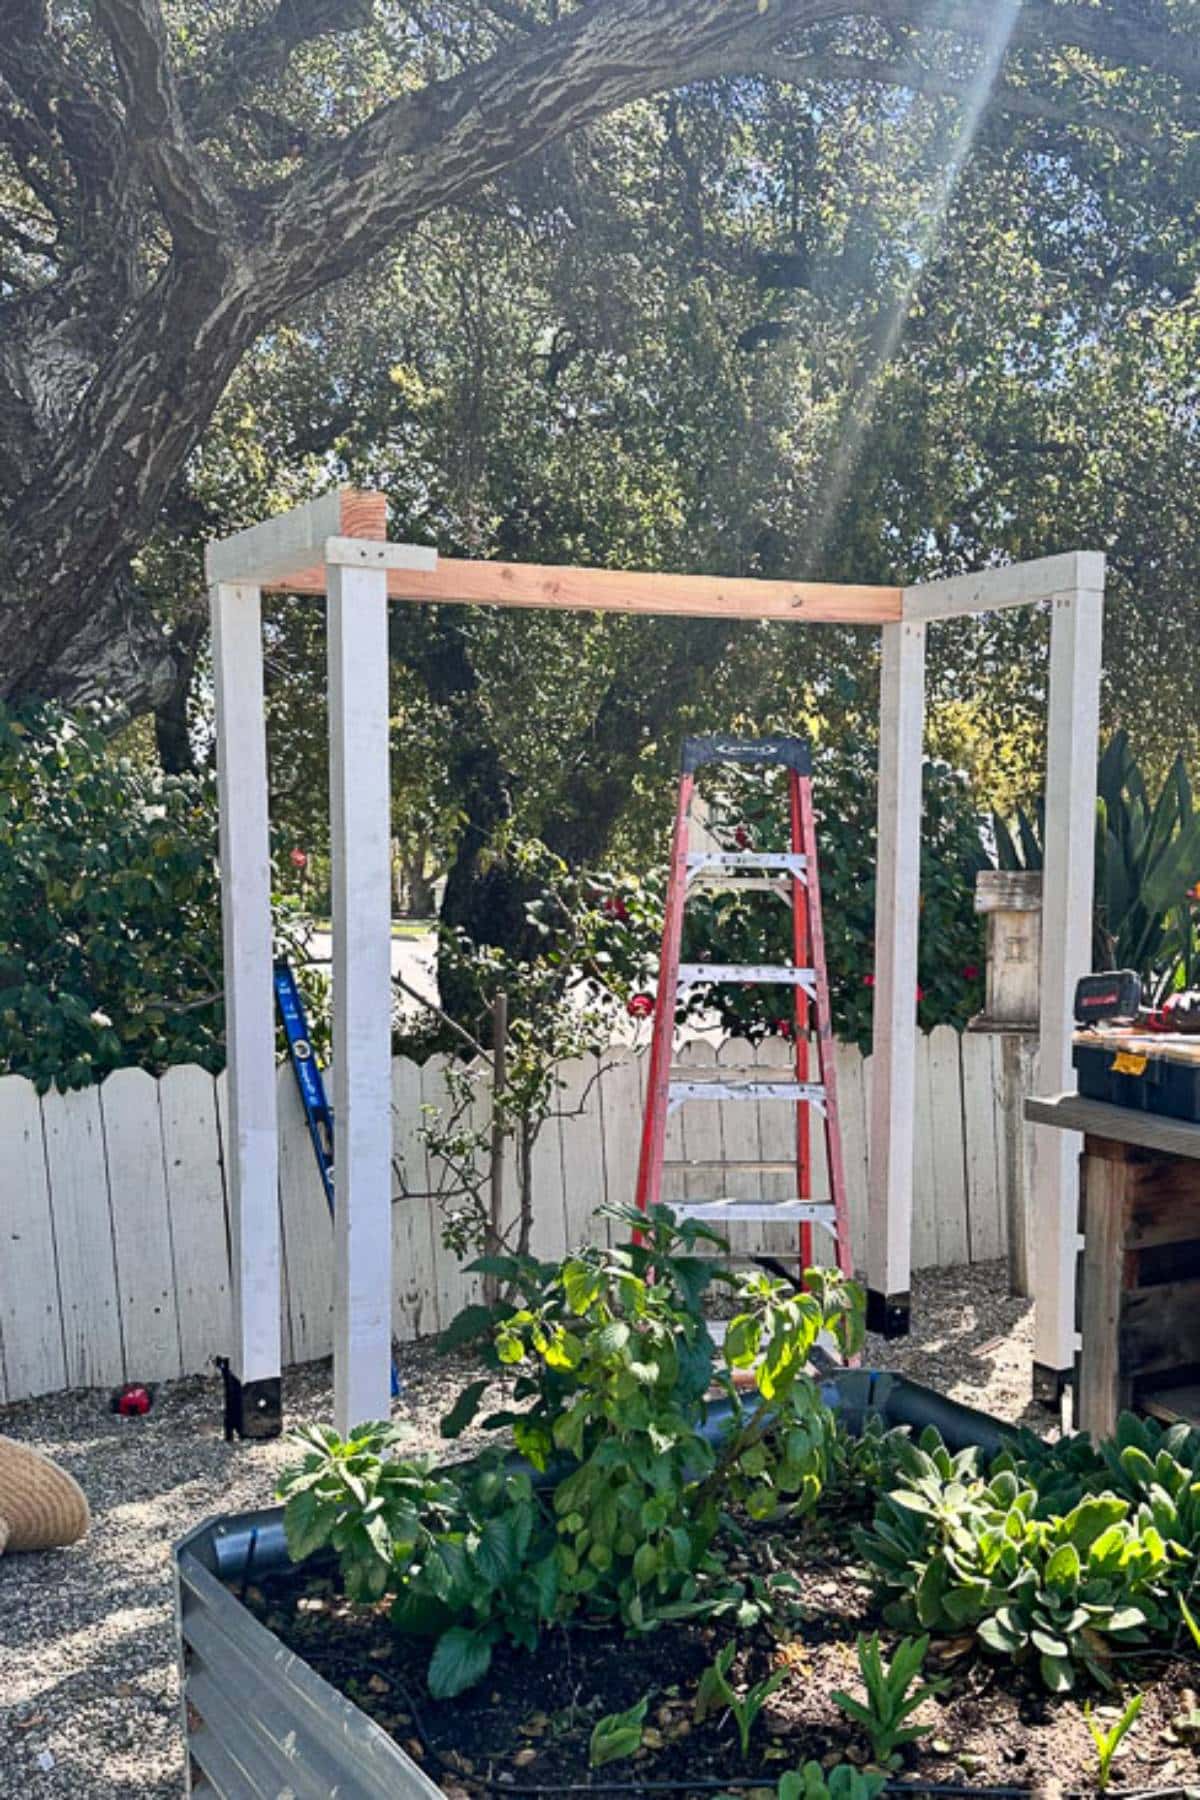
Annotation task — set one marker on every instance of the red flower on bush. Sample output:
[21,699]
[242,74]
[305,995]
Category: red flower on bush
[868,981]
[741,837]
[615,908]
[920,993]
[970,972]
[298,859]
[640,1006]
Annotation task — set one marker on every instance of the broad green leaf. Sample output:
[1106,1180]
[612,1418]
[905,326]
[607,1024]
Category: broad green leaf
[461,1657]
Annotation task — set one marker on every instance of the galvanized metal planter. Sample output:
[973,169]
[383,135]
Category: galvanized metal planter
[257,1720]
[260,1724]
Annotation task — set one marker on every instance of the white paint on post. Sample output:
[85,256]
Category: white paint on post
[360,819]
[276,547]
[1018,584]
[1077,627]
[897,911]
[251,1151]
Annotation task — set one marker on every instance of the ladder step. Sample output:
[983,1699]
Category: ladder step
[728,1072]
[723,1165]
[732,883]
[779,974]
[787,862]
[778,1212]
[813,1092]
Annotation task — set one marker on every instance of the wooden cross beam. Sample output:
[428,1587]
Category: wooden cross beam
[290,554]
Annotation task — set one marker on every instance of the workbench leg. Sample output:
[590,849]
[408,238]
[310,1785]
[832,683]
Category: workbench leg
[1102,1394]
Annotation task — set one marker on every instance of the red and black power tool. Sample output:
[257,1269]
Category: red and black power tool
[1115,998]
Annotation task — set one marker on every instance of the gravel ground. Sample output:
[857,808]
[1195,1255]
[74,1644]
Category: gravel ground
[88,1695]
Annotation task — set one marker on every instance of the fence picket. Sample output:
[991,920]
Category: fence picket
[30,1314]
[947,1154]
[740,1143]
[443,1180]
[83,1240]
[924,1220]
[143,1253]
[416,1244]
[620,1096]
[982,1143]
[851,1089]
[196,1202]
[581,1129]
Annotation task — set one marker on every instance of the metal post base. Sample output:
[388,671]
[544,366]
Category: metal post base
[1049,1385]
[253,1409]
[888,1315]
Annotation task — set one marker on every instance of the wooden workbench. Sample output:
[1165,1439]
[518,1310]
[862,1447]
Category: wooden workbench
[1138,1292]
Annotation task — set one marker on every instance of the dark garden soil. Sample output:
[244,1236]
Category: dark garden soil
[526,1727]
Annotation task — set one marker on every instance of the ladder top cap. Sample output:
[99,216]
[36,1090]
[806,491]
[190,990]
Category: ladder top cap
[779,751]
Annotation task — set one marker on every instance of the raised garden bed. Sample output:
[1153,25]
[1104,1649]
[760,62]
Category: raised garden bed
[288,1688]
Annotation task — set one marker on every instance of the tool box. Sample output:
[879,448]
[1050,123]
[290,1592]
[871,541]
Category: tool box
[1153,1073]
[1146,1058]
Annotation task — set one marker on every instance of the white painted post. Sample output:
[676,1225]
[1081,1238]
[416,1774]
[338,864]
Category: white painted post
[251,1149]
[1077,623]
[897,911]
[360,818]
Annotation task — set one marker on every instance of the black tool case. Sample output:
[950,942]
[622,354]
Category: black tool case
[1168,1082]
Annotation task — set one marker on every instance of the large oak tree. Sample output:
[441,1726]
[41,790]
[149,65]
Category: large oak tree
[173,184]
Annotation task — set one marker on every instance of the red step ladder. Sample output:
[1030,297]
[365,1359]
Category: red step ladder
[793,874]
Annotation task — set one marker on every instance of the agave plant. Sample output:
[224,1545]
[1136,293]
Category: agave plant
[1147,868]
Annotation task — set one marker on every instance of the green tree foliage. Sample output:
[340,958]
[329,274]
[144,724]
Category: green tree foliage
[741,330]
[110,935]
[110,924]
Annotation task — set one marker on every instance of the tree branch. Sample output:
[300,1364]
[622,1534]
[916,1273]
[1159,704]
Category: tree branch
[257,56]
[180,175]
[1004,97]
[432,148]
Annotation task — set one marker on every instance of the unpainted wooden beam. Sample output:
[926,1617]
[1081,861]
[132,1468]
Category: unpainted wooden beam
[559,587]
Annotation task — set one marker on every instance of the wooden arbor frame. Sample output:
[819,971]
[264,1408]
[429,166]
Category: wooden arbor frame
[337,546]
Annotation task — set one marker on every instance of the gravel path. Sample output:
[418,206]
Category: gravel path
[88,1695]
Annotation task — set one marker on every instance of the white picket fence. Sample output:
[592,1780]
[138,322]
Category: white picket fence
[114,1259]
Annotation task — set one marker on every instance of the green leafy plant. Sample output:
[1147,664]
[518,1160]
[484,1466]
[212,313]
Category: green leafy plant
[1106,1742]
[715,1690]
[842,1782]
[1064,1554]
[617,1735]
[468,1555]
[1147,867]
[891,1696]
[612,1352]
